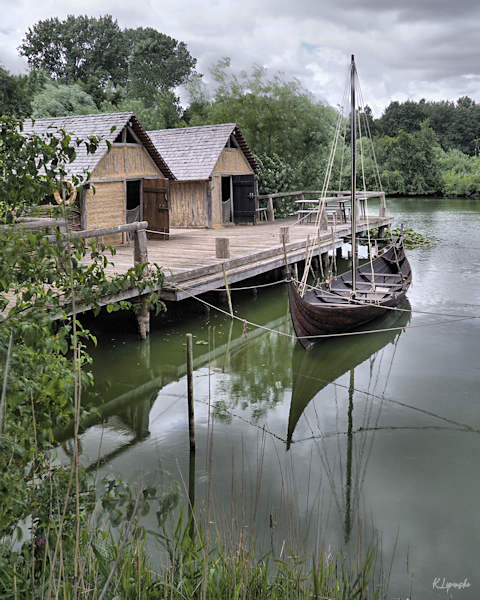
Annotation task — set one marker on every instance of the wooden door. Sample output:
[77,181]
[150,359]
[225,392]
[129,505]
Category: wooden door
[155,208]
[244,201]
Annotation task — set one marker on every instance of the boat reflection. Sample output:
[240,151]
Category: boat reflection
[326,362]
[313,370]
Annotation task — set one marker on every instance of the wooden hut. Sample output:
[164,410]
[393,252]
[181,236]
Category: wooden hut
[128,183]
[215,175]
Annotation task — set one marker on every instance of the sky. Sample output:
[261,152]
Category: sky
[409,49]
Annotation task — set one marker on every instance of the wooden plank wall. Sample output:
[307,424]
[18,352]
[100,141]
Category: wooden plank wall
[188,204]
[129,160]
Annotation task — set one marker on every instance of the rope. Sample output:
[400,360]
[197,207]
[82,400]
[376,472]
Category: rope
[250,287]
[321,336]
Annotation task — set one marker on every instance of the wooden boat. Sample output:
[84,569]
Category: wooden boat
[331,308]
[355,298]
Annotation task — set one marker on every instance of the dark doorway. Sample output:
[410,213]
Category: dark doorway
[227,205]
[244,201]
[134,204]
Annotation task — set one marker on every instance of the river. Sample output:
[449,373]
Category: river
[371,439]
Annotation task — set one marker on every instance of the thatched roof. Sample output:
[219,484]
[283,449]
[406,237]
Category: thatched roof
[99,125]
[192,152]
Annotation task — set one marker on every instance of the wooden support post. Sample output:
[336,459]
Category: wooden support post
[140,256]
[381,231]
[295,270]
[222,247]
[284,235]
[383,205]
[227,291]
[143,318]
[270,211]
[338,253]
[191,433]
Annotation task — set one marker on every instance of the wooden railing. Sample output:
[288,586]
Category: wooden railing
[332,196]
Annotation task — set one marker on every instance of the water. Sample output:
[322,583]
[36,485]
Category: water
[367,439]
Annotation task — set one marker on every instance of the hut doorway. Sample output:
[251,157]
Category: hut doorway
[244,200]
[134,201]
[227,204]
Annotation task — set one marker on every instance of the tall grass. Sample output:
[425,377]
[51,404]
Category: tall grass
[121,567]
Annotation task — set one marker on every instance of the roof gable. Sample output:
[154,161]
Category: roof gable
[99,125]
[192,152]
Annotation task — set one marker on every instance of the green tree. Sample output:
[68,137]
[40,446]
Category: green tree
[58,99]
[410,162]
[79,48]
[279,118]
[156,62]
[16,93]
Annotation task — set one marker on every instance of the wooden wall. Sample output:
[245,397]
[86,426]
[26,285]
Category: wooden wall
[230,162]
[107,206]
[188,203]
[128,160]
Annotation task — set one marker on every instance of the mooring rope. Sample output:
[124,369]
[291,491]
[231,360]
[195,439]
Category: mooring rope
[326,335]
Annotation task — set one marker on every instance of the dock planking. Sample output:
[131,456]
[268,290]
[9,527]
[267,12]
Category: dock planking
[191,267]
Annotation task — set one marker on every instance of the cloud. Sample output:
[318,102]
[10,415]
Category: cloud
[412,49]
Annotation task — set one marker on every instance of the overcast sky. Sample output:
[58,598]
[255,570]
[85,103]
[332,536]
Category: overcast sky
[406,49]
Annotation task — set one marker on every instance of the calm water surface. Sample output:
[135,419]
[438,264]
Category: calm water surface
[374,438]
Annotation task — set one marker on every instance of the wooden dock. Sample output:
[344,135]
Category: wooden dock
[191,266]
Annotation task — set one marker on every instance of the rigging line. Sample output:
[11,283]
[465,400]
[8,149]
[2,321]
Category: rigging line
[358,303]
[250,287]
[370,254]
[398,402]
[326,335]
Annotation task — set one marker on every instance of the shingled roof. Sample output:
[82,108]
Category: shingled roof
[192,152]
[99,125]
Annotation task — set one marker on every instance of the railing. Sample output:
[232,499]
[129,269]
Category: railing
[331,196]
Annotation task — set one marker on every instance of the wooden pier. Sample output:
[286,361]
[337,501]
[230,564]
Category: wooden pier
[191,265]
[196,261]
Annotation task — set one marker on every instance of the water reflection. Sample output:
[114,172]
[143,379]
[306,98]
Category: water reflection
[314,370]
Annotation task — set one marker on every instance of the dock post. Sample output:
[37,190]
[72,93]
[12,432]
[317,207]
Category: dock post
[284,239]
[191,433]
[222,247]
[227,291]
[284,235]
[383,205]
[140,256]
[338,253]
[270,211]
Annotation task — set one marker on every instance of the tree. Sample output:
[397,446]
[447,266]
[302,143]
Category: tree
[98,54]
[57,99]
[79,48]
[156,62]
[279,118]
[15,93]
[410,162]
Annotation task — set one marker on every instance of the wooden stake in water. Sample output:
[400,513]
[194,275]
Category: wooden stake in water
[191,431]
[227,289]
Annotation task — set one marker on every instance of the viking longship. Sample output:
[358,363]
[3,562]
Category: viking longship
[366,292]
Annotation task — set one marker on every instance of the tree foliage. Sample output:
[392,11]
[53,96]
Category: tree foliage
[60,99]
[281,121]
[98,54]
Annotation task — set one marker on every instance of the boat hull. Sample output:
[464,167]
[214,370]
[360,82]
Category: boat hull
[312,318]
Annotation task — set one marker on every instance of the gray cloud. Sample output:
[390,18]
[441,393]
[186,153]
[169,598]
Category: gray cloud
[412,49]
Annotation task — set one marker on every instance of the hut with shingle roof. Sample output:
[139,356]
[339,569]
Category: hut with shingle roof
[129,178]
[214,173]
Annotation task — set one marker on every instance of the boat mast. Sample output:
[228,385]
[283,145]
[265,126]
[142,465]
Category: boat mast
[353,211]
